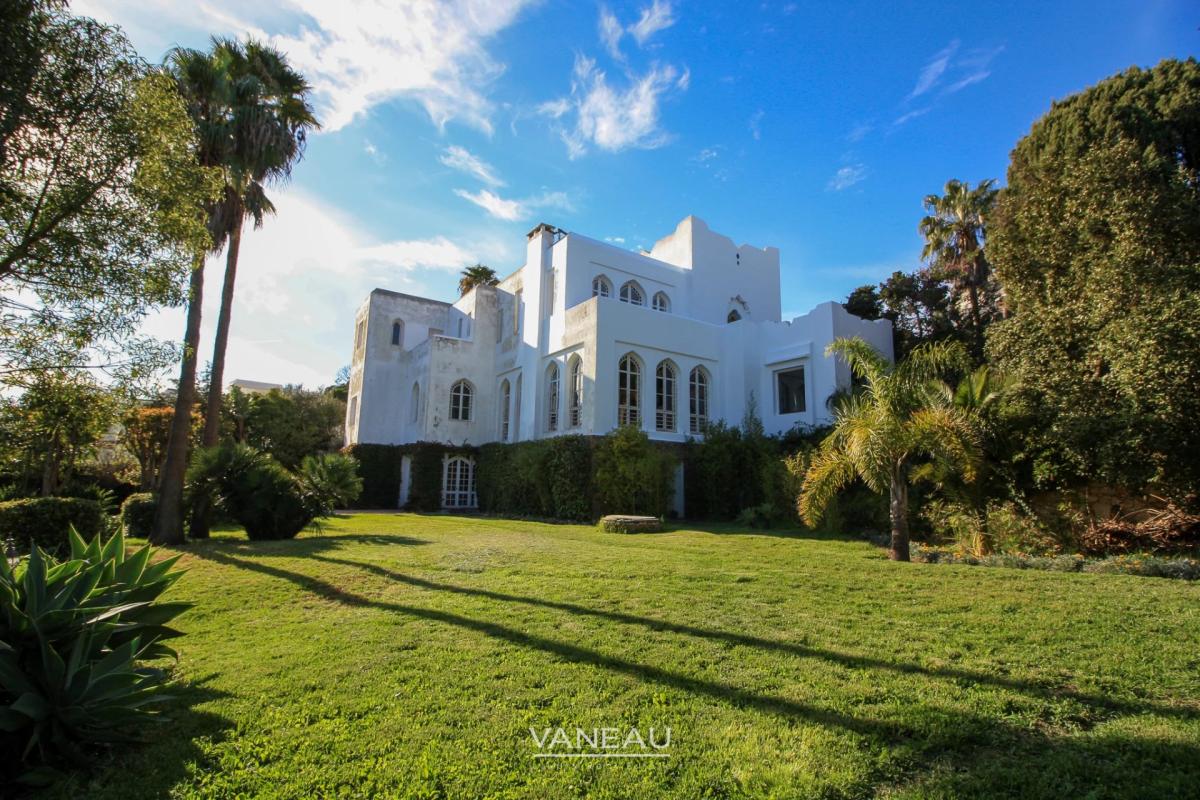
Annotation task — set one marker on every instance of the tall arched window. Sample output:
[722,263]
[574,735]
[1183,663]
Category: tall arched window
[552,397]
[633,294]
[460,400]
[661,302]
[398,333]
[458,483]
[505,408]
[698,384]
[734,316]
[629,387]
[664,396]
[601,287]
[575,392]
[415,402]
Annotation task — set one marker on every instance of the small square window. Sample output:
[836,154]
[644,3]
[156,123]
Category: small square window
[790,390]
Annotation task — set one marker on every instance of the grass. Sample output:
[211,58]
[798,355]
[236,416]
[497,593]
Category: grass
[408,656]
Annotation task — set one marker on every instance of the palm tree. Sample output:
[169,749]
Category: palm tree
[879,433]
[201,83]
[955,232]
[252,120]
[478,275]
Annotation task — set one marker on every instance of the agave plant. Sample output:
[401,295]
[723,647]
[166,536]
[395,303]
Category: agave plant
[75,636]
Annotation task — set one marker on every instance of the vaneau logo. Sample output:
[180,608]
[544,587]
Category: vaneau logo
[601,742]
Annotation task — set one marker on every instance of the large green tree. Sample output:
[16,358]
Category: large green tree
[478,275]
[897,421]
[99,195]
[1096,240]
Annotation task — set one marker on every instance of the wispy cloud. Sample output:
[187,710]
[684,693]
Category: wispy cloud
[911,115]
[512,210]
[859,132]
[846,177]
[613,118]
[755,124]
[611,33]
[933,70]
[463,160]
[656,17]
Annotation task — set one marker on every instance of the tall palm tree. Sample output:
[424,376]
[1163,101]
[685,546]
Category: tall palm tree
[955,232]
[478,275]
[202,84]
[269,121]
[881,432]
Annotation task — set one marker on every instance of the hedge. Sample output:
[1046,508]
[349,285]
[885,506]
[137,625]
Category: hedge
[46,521]
[543,478]
[137,514]
[380,467]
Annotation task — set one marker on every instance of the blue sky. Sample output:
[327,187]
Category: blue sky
[452,128]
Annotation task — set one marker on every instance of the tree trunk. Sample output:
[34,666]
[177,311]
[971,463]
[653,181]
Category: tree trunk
[976,321]
[898,509]
[202,513]
[168,518]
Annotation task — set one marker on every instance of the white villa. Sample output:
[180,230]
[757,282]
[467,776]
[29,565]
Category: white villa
[587,336]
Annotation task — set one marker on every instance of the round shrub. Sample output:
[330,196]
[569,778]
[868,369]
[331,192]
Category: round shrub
[137,514]
[46,520]
[252,488]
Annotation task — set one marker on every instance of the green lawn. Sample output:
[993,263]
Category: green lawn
[409,656]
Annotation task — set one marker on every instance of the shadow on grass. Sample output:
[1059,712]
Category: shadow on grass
[166,755]
[937,751]
[308,544]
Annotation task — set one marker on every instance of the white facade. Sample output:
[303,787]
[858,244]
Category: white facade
[586,334]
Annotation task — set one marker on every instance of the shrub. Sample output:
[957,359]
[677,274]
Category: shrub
[545,478]
[46,520]
[331,481]
[631,475]
[618,523]
[254,489]
[763,516]
[1001,528]
[137,514]
[71,634]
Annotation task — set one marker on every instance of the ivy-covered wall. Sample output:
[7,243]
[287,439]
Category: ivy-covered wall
[380,465]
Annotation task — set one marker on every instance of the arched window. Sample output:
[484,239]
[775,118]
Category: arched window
[661,302]
[601,287]
[458,483]
[460,400]
[398,333]
[552,397]
[734,316]
[664,397]
[575,392]
[516,413]
[629,387]
[505,408]
[415,402]
[632,293]
[698,384]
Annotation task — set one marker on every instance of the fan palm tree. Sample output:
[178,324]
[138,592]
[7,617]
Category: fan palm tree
[202,84]
[879,433]
[269,120]
[955,232]
[478,275]
[252,118]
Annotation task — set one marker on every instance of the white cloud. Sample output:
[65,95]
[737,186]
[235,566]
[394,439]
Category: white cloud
[931,73]
[846,177]
[963,83]
[755,124]
[614,119]
[656,17]
[859,132]
[356,53]
[302,277]
[495,205]
[615,239]
[512,210]
[911,115]
[461,159]
[611,33]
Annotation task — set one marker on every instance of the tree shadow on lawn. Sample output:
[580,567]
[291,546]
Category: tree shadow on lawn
[942,751]
[304,545]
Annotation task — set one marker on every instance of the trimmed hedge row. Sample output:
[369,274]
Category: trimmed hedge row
[46,521]
[543,478]
[137,514]
[380,467]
